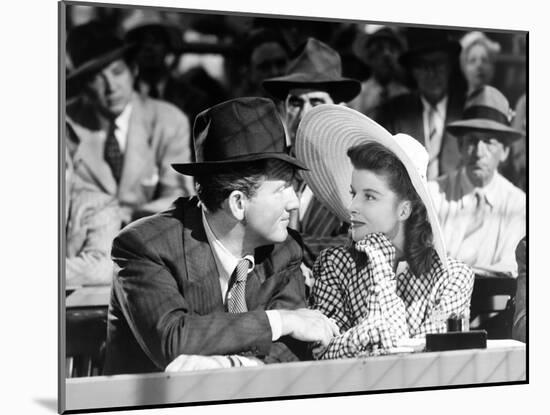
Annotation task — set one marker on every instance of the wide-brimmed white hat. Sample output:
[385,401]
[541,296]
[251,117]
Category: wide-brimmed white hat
[323,138]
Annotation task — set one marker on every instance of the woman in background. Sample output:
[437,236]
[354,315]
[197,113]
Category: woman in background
[477,59]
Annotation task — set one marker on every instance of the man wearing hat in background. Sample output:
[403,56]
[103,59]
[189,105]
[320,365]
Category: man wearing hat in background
[482,214]
[424,113]
[158,47]
[313,78]
[380,49]
[127,141]
[215,281]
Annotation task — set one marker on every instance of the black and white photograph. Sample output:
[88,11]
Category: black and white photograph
[260,206]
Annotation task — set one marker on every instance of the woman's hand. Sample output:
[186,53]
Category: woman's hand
[376,244]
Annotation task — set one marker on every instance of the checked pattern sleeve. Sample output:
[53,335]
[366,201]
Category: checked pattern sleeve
[363,302]
[374,307]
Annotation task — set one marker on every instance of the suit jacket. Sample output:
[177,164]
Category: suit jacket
[92,223]
[158,135]
[166,299]
[403,114]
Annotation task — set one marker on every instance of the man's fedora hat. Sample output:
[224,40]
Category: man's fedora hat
[423,41]
[323,138]
[487,110]
[91,47]
[234,132]
[317,67]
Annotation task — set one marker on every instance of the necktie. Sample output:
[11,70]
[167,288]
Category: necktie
[113,155]
[236,302]
[478,214]
[431,145]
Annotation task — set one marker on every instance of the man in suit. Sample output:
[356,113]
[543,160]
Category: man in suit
[313,78]
[215,281]
[127,141]
[424,113]
[91,223]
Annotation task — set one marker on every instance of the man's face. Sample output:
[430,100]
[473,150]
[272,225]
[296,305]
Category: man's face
[267,213]
[268,60]
[112,87]
[383,54]
[481,155]
[431,73]
[298,102]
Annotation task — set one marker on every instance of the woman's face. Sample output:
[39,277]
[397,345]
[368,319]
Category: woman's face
[374,206]
[478,67]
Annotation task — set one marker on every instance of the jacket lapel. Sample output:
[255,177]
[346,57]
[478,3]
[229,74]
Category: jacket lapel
[90,153]
[137,155]
[203,288]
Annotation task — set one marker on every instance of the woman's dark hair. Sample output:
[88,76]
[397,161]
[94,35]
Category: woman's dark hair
[214,188]
[418,232]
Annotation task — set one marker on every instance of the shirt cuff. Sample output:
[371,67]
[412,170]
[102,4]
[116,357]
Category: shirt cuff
[276,324]
[248,361]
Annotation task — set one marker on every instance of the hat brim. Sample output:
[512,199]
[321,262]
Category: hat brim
[323,138]
[209,167]
[94,65]
[340,90]
[451,47]
[503,132]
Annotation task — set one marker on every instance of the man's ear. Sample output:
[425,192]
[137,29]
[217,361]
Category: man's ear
[404,210]
[236,202]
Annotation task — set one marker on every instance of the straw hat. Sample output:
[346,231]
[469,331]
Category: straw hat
[323,138]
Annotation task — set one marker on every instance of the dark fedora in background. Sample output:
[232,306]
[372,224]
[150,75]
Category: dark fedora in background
[91,47]
[422,41]
[237,131]
[170,35]
[486,110]
[317,67]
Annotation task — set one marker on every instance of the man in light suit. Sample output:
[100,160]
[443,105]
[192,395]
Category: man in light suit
[313,78]
[215,281]
[127,141]
[424,113]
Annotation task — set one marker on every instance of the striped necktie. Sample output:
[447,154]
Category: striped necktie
[112,153]
[432,147]
[236,302]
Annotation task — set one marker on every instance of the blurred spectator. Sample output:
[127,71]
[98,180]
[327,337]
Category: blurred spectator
[266,55]
[381,50]
[92,221]
[313,78]
[482,214]
[127,141]
[424,113]
[520,313]
[477,59]
[157,50]
[516,167]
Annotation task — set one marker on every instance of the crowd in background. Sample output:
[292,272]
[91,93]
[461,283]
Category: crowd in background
[181,64]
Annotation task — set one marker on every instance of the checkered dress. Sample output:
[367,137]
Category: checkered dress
[374,308]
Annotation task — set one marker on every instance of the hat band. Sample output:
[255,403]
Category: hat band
[481,111]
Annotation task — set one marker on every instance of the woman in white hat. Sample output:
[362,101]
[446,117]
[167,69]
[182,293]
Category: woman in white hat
[394,281]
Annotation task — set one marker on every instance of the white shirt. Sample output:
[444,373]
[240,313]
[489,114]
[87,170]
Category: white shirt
[492,245]
[122,123]
[433,145]
[226,263]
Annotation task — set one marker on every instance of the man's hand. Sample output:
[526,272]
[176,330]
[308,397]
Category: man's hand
[187,362]
[308,325]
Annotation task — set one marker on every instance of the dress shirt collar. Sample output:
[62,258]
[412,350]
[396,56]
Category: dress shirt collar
[490,190]
[226,262]
[440,107]
[122,123]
